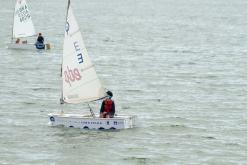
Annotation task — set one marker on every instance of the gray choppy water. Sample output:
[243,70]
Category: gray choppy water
[179,65]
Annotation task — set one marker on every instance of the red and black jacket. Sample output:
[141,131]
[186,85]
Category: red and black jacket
[108,106]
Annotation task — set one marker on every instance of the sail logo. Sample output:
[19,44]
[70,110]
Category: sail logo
[71,75]
[78,52]
[23,13]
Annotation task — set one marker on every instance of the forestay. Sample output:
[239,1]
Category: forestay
[80,82]
[23,25]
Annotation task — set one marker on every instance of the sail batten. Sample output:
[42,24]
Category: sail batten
[77,101]
[85,83]
[23,25]
[74,33]
[80,81]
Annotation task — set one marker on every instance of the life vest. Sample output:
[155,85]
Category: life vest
[40,45]
[108,105]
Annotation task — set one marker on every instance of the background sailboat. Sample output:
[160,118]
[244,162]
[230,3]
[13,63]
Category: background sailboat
[22,28]
[80,83]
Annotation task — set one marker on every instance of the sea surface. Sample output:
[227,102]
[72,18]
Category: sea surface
[179,65]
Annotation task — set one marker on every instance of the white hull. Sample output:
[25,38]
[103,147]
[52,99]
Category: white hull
[25,46]
[88,122]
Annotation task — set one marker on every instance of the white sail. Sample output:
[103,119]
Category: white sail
[23,25]
[80,82]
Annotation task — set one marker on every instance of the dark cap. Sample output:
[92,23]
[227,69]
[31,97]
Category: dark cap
[109,93]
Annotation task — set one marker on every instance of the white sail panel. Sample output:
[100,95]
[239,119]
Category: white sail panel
[23,25]
[80,82]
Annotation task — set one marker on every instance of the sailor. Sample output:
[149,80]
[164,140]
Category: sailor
[17,40]
[40,38]
[40,42]
[107,109]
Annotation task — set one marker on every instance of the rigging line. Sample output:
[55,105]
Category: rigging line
[24,36]
[62,112]
[78,101]
[72,34]
[91,111]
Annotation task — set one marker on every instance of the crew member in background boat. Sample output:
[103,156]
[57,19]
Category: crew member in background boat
[107,109]
[40,42]
[24,42]
[17,40]
[40,38]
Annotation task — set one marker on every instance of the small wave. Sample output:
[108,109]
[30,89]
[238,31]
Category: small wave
[209,137]
[38,89]
[28,103]
[232,144]
[191,63]
[126,107]
[138,159]
[133,90]
[108,40]
[178,126]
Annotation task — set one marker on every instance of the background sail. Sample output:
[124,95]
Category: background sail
[23,25]
[80,82]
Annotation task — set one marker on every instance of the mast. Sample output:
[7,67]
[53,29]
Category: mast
[66,20]
[12,37]
[67,11]
[61,99]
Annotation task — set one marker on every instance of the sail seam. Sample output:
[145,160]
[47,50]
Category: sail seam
[71,34]
[87,82]
[86,68]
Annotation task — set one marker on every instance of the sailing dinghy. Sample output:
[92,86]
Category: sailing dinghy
[22,28]
[80,84]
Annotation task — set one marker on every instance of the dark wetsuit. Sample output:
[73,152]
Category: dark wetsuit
[40,42]
[40,39]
